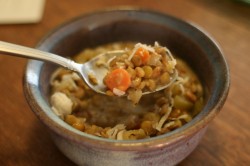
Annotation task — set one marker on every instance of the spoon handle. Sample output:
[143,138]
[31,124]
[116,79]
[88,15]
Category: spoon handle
[26,52]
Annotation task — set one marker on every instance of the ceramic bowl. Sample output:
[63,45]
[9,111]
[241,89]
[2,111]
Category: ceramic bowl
[183,39]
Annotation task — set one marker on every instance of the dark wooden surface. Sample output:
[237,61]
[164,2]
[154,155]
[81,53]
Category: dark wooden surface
[24,140]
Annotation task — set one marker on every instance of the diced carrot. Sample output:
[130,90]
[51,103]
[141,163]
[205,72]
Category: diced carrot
[119,79]
[143,54]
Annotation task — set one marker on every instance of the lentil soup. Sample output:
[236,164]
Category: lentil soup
[116,117]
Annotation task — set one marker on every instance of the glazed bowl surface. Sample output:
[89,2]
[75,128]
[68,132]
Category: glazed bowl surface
[183,39]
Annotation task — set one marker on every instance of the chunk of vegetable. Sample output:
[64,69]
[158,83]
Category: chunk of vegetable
[143,53]
[118,79]
[141,56]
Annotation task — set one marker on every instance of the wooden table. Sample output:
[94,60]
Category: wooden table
[24,140]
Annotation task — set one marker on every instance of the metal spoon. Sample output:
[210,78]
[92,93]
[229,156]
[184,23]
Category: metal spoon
[84,70]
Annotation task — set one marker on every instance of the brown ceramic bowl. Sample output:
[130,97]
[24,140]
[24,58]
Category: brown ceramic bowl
[185,40]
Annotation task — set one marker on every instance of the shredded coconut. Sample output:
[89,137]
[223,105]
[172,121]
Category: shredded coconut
[169,124]
[120,135]
[67,82]
[118,92]
[163,119]
[185,117]
[112,133]
[75,76]
[54,75]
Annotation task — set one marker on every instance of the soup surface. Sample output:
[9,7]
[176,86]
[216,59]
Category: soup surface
[116,117]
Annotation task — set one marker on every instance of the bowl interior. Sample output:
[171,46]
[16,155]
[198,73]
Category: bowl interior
[184,40]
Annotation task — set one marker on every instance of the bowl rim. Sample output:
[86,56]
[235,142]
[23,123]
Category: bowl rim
[38,103]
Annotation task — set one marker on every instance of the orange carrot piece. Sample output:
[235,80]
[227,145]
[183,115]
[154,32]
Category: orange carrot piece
[143,54]
[119,79]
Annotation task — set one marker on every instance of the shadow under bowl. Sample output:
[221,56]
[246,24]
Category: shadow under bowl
[188,42]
